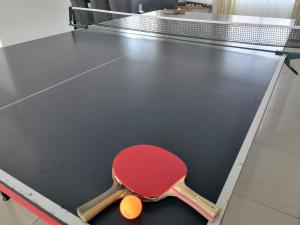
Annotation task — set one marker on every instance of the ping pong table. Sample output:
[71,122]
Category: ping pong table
[70,102]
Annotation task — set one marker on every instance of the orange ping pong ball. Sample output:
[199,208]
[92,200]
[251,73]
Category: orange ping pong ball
[131,207]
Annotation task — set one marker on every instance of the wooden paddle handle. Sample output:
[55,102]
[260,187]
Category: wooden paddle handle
[90,209]
[205,207]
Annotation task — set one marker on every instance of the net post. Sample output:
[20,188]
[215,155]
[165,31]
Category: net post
[70,16]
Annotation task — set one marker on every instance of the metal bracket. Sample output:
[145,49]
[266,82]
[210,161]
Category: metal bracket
[287,62]
[72,21]
[71,16]
[140,9]
[289,56]
[4,196]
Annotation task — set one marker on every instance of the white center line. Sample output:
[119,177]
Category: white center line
[62,82]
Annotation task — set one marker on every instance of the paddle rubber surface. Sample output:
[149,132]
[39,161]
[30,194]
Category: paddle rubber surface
[148,170]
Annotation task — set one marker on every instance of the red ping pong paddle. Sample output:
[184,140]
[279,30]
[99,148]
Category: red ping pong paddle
[151,173]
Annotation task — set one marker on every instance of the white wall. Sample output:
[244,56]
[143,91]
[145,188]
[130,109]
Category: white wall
[25,20]
[266,8]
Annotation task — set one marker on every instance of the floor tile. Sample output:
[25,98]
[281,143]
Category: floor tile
[280,131]
[13,214]
[271,177]
[288,80]
[286,102]
[285,98]
[242,211]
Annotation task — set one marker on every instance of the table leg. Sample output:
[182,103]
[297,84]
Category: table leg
[4,196]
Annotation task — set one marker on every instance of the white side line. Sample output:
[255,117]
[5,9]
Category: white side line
[60,83]
[240,159]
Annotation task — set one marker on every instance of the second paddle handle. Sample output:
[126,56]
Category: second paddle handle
[90,209]
[205,207]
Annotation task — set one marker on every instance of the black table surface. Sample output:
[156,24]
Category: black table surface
[64,115]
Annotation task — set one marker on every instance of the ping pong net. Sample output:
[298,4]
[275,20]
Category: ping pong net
[224,33]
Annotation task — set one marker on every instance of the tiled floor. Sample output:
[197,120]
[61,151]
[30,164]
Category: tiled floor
[268,189]
[13,214]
